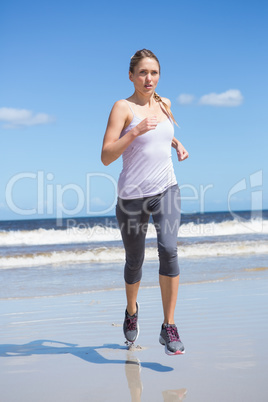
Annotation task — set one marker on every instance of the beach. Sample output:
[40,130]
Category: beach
[61,335]
[67,348]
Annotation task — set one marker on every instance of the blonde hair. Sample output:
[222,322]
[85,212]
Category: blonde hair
[134,61]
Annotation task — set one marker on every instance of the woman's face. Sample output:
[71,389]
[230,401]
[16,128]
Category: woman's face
[146,75]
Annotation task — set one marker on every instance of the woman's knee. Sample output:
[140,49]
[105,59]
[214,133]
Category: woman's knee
[133,268]
[134,262]
[168,260]
[167,251]
[169,268]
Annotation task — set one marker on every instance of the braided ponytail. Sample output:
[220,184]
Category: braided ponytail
[158,98]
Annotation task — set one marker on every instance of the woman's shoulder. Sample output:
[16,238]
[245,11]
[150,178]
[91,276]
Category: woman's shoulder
[121,111]
[120,107]
[166,101]
[121,104]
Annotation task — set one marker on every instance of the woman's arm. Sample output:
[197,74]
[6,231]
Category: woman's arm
[113,146]
[181,151]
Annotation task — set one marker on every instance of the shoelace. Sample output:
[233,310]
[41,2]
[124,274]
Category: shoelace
[131,323]
[173,334]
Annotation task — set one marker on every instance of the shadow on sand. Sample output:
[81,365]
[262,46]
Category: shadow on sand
[87,353]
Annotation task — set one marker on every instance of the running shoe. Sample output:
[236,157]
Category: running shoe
[131,326]
[170,338]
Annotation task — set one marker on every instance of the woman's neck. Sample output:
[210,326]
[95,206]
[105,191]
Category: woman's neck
[142,99]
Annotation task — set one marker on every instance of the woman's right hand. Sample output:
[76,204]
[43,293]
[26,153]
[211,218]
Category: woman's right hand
[145,125]
[114,145]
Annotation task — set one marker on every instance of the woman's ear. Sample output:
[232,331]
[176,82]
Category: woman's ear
[130,75]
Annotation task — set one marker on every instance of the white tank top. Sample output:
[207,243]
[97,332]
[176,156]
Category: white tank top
[147,162]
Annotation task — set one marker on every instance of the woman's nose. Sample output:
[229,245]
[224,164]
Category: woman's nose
[148,77]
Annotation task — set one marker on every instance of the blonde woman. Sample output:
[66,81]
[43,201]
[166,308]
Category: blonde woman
[141,129]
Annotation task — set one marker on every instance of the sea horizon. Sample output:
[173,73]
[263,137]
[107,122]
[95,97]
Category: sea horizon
[37,257]
[64,218]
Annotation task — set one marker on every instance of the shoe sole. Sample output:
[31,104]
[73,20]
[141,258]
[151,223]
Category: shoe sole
[168,352]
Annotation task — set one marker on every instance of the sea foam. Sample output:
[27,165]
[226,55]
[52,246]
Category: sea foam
[117,254]
[98,233]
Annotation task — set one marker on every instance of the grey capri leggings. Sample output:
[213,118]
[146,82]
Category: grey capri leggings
[133,216]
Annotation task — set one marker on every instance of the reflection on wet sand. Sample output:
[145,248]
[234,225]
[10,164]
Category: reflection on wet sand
[133,374]
[133,370]
[174,395]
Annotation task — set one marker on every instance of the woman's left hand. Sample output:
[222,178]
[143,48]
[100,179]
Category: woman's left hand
[181,152]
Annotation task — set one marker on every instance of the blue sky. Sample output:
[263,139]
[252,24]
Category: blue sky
[64,64]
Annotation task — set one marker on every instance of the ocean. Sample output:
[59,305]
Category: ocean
[39,258]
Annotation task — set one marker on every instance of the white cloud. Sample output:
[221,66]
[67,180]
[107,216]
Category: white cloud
[97,201]
[232,97]
[22,117]
[185,99]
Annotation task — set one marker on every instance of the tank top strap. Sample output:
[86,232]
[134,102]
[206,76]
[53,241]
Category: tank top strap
[130,107]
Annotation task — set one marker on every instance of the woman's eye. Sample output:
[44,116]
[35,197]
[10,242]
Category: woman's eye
[144,72]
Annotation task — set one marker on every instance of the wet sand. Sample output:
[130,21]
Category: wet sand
[71,348]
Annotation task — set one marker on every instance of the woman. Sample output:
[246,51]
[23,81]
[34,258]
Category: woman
[141,129]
